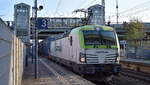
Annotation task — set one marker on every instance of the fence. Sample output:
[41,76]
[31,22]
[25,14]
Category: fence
[142,51]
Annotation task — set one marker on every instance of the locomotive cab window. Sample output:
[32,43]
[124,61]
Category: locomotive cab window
[93,37]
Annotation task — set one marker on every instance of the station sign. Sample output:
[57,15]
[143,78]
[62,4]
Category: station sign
[42,23]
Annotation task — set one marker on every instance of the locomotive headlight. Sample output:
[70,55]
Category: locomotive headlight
[82,58]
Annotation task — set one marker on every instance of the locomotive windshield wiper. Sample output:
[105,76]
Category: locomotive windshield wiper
[104,41]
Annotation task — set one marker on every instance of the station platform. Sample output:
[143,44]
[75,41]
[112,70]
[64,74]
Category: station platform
[51,73]
[139,65]
[137,61]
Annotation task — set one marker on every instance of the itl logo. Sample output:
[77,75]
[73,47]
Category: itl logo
[102,52]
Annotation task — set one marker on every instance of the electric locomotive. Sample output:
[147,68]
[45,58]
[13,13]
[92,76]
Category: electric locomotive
[88,50]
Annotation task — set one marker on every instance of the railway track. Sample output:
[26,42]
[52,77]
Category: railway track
[137,75]
[64,76]
[73,81]
[103,83]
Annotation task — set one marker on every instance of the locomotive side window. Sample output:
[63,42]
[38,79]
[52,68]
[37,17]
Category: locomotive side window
[71,40]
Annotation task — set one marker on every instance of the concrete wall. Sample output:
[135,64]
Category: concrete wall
[11,57]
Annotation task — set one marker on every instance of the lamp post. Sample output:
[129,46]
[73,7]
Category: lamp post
[36,39]
[36,36]
[117,15]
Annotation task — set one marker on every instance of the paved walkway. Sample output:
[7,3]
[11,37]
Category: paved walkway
[52,74]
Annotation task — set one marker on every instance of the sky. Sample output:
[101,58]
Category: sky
[128,9]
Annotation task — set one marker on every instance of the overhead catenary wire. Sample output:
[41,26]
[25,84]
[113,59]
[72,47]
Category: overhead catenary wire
[90,3]
[82,3]
[57,7]
[85,5]
[136,7]
[138,11]
[135,12]
[44,4]
[79,6]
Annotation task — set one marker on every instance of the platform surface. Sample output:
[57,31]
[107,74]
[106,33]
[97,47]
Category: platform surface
[137,61]
[51,73]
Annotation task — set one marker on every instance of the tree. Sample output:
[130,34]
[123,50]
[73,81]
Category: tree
[134,32]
